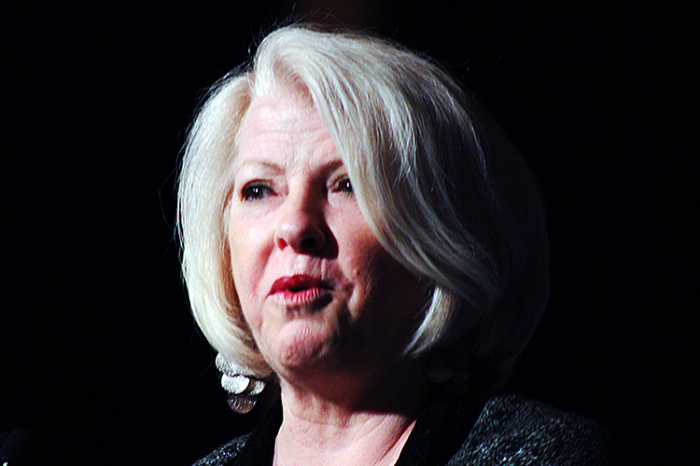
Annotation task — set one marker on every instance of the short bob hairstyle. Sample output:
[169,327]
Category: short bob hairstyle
[440,185]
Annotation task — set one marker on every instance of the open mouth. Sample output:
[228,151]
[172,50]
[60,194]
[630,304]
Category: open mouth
[297,283]
[300,289]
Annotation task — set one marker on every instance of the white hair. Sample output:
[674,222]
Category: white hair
[440,185]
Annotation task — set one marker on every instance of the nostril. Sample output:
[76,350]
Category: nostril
[311,243]
[301,226]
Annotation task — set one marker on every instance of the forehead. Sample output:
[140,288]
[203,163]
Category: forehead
[282,126]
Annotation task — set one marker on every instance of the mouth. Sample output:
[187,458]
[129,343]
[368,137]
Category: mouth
[300,289]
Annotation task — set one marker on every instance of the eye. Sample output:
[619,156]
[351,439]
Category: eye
[255,191]
[345,186]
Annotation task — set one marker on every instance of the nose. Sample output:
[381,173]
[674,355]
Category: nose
[302,224]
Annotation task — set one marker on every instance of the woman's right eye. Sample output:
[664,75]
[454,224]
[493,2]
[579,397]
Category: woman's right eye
[255,192]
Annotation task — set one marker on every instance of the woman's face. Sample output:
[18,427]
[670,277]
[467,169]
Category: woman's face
[316,287]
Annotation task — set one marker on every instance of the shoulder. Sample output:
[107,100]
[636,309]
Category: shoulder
[224,454]
[512,430]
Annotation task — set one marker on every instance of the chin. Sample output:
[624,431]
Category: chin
[302,346]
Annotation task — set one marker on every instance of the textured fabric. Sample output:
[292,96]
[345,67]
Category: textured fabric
[509,431]
[224,454]
[513,431]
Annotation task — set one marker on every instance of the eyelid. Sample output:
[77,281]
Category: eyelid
[264,188]
[339,182]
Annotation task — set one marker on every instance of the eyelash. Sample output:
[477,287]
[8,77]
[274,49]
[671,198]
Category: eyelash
[345,186]
[255,192]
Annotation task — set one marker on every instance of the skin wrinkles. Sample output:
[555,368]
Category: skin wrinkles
[330,310]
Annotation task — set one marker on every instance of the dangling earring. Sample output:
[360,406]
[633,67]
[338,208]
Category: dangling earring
[242,387]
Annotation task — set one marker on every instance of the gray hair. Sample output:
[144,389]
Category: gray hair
[438,182]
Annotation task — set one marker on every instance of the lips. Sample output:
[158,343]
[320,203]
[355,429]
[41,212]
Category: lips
[300,289]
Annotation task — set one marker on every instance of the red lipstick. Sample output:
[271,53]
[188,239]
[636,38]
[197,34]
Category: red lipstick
[299,289]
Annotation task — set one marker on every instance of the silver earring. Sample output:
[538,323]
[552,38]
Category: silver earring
[243,387]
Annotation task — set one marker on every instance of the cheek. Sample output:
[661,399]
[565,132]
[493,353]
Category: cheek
[247,266]
[368,266]
[360,253]
[395,294]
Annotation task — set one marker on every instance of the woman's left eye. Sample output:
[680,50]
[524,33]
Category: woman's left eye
[345,186]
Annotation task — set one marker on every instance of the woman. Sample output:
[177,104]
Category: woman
[356,231]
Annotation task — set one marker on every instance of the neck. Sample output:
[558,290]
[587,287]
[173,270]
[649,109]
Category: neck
[349,423]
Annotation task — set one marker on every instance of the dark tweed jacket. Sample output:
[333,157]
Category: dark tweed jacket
[509,430]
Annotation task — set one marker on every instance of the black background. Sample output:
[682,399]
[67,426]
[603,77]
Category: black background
[100,358]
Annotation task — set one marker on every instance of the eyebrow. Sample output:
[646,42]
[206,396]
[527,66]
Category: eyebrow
[268,165]
[330,166]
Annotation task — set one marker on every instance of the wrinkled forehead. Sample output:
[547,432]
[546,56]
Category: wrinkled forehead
[283,129]
[283,109]
[349,124]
